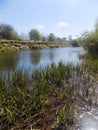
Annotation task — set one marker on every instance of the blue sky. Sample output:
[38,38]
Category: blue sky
[61,17]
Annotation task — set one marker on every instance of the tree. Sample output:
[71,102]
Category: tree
[96,25]
[8,32]
[35,35]
[91,42]
[75,43]
[64,39]
[51,37]
[44,38]
[84,34]
[24,36]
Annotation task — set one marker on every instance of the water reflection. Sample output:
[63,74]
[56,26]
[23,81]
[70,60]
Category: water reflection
[8,61]
[42,57]
[35,57]
[51,54]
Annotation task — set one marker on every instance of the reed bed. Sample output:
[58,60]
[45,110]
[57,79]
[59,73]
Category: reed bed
[44,99]
[92,67]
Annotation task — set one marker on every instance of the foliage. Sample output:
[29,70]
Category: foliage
[7,32]
[51,37]
[35,35]
[74,43]
[15,45]
[92,65]
[90,41]
[9,45]
[44,38]
[96,26]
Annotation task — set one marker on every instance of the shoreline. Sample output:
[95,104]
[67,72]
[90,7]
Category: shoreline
[11,45]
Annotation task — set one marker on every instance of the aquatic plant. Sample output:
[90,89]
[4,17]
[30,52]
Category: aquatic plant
[44,98]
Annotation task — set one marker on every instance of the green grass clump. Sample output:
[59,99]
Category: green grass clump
[91,65]
[42,99]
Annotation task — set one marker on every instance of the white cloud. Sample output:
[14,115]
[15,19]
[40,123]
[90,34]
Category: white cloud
[40,26]
[62,24]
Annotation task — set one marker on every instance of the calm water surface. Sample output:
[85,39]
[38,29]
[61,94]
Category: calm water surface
[32,59]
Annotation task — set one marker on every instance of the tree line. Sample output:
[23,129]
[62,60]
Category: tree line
[7,32]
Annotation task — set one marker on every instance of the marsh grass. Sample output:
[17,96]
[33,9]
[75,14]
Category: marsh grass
[45,99]
[92,67]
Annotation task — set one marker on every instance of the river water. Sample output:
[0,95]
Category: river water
[31,59]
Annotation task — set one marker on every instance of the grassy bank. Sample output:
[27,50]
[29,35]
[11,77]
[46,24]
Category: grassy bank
[12,45]
[45,98]
[90,61]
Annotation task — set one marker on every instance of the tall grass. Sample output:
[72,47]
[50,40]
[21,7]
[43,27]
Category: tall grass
[45,99]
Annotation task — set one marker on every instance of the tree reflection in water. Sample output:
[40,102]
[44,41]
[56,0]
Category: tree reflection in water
[51,55]
[35,57]
[8,61]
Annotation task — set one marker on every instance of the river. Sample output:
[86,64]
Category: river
[31,59]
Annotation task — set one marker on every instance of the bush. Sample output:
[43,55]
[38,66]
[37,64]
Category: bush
[91,42]
[7,32]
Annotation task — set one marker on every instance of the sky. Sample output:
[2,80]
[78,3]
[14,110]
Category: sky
[61,17]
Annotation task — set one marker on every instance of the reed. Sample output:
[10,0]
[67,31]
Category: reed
[47,97]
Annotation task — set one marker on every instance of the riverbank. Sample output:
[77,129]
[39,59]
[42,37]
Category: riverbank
[46,98]
[92,64]
[10,45]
